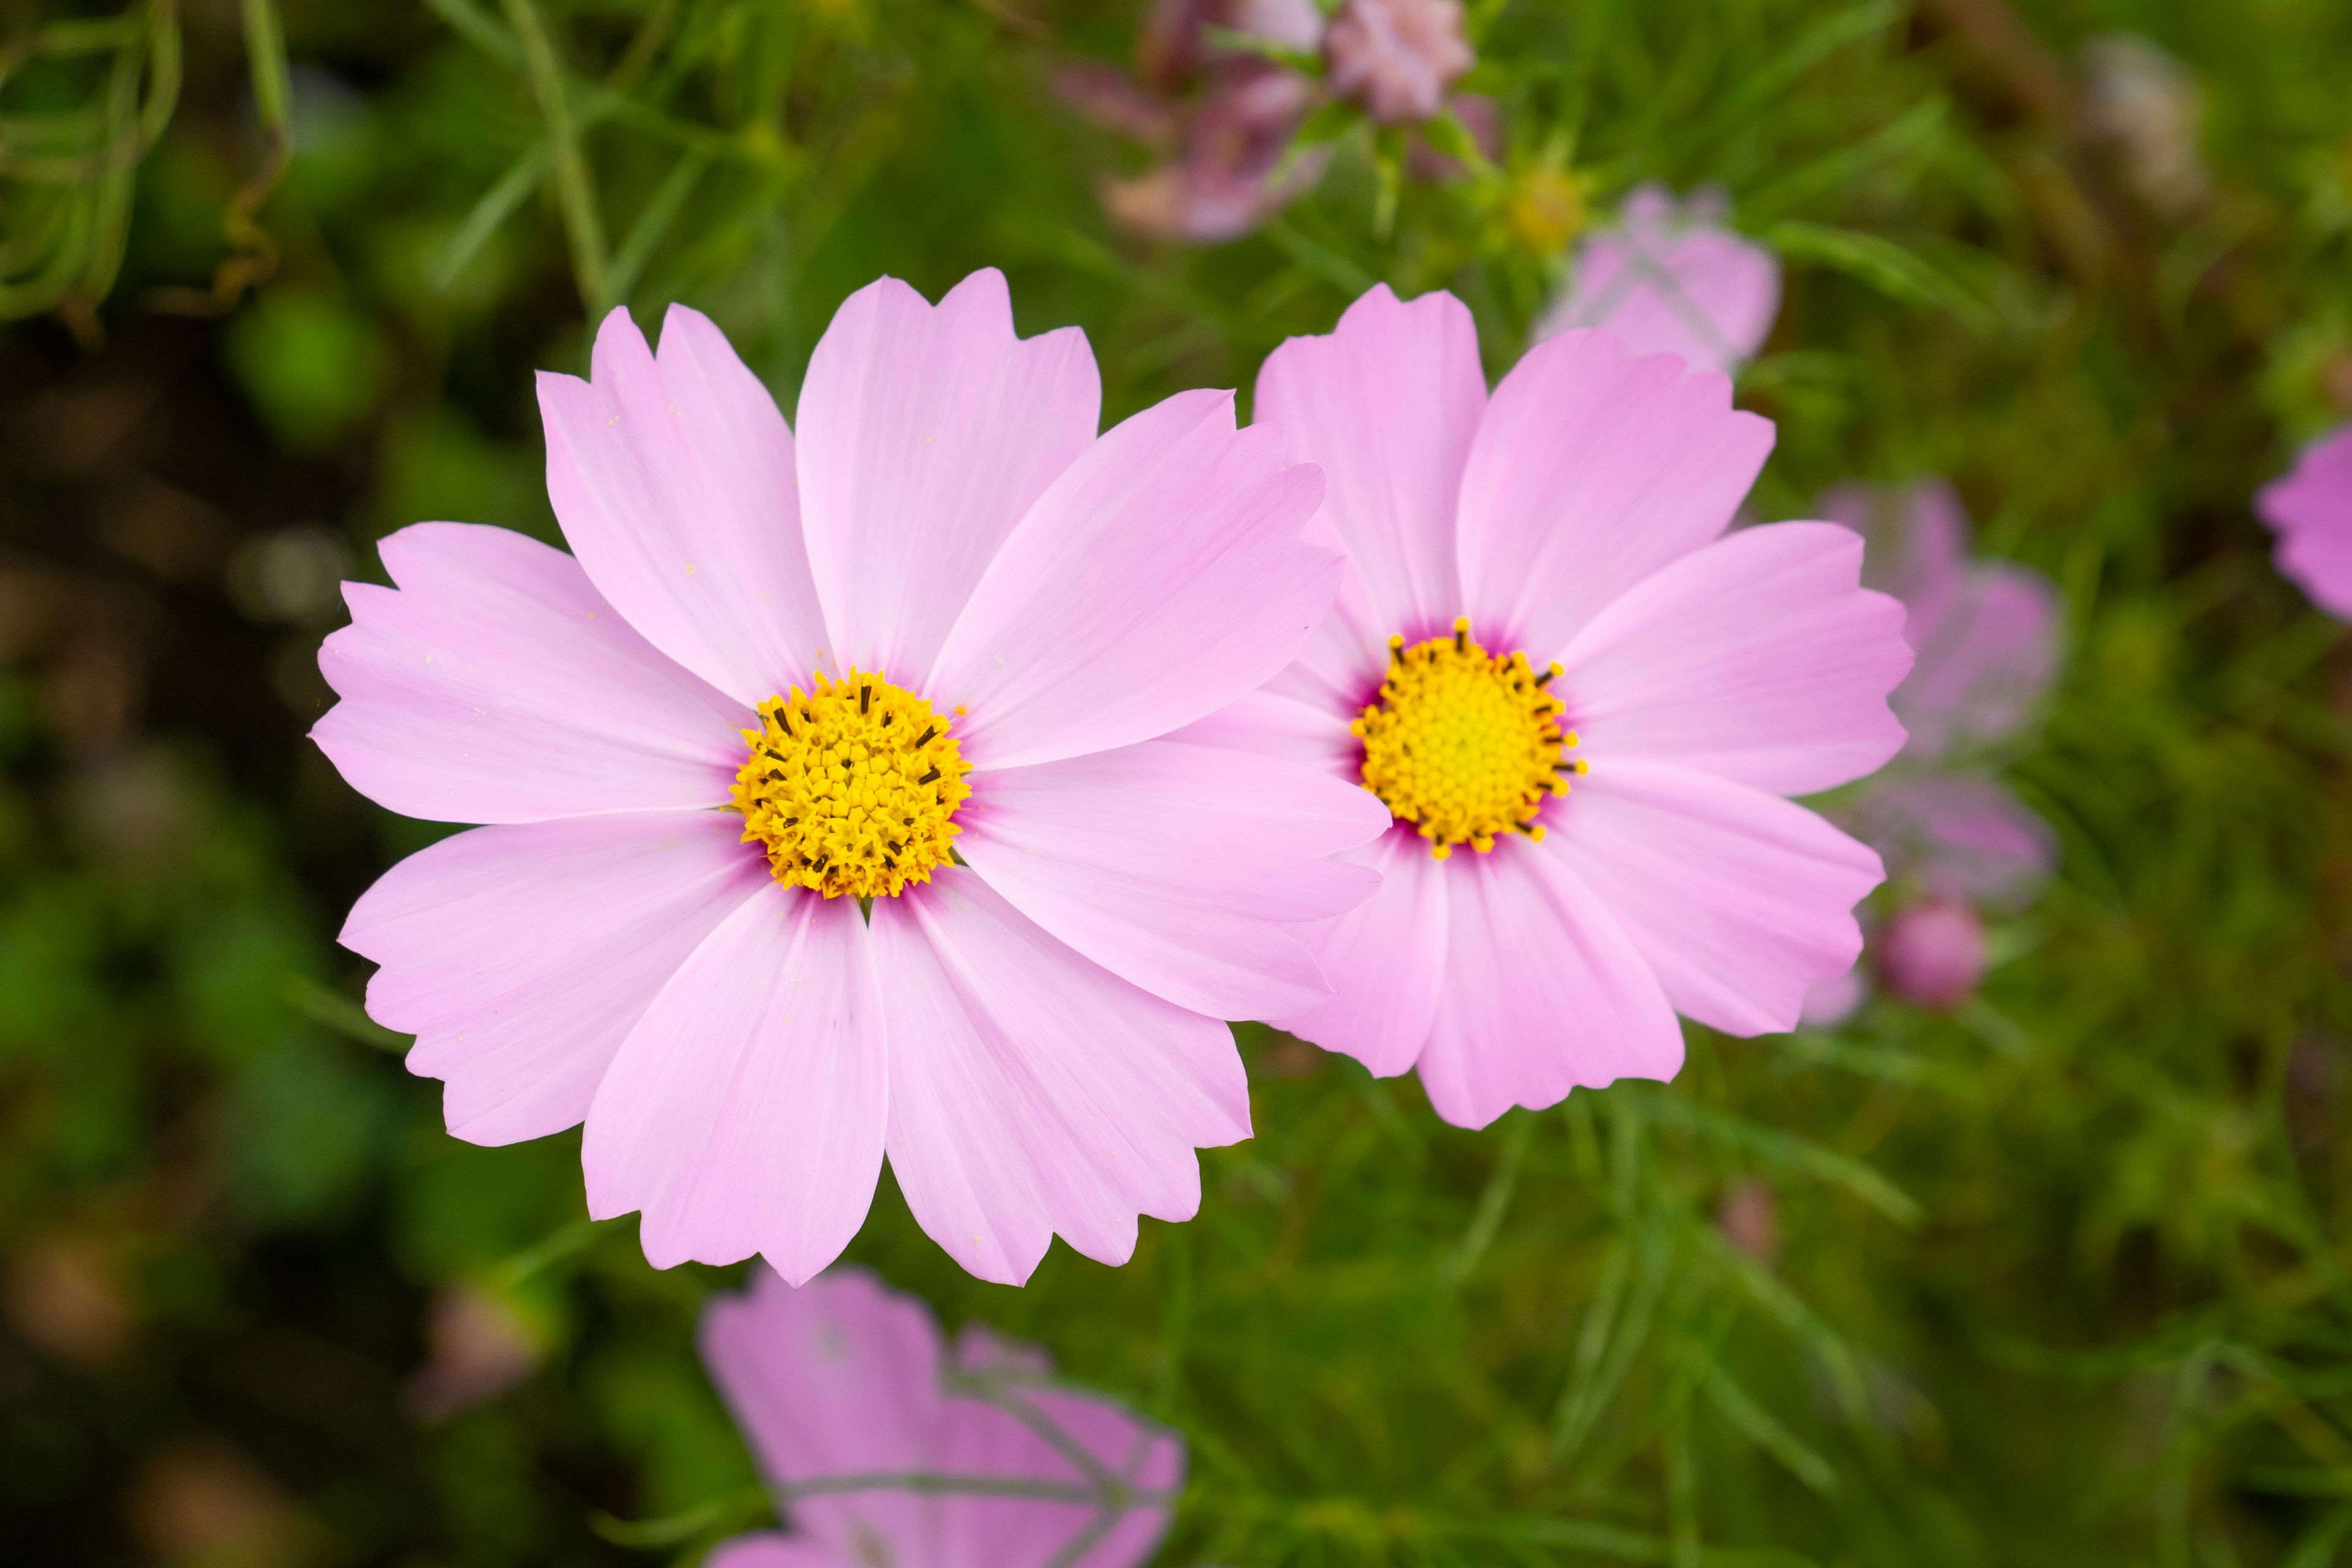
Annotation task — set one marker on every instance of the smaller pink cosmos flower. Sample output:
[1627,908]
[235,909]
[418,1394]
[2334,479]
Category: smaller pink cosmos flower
[887,1449]
[1582,701]
[1671,279]
[832,815]
[1396,57]
[2311,511]
[1933,953]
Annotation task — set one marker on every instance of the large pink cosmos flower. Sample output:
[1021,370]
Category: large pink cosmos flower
[1672,278]
[1543,595]
[2311,511]
[831,810]
[888,1451]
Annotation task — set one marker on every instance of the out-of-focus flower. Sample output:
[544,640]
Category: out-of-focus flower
[478,1345]
[1750,1218]
[944,587]
[2311,511]
[200,1503]
[1396,57]
[1933,953]
[1672,278]
[65,1293]
[1684,680]
[1955,839]
[2140,97]
[1546,209]
[864,1425]
[1226,114]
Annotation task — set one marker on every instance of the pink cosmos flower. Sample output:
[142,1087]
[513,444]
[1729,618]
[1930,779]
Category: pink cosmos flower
[1543,595]
[889,1450]
[1671,279]
[831,808]
[1933,953]
[1396,57]
[2311,511]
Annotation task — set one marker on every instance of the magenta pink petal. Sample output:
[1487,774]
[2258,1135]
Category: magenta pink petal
[744,1113]
[1590,472]
[673,479]
[1737,899]
[2311,510]
[1183,868]
[1758,658]
[1544,992]
[1033,1091]
[496,685]
[520,957]
[924,434]
[1386,405]
[1161,577]
[1385,958]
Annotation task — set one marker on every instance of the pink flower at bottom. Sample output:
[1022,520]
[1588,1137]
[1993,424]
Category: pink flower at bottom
[833,814]
[1672,278]
[2311,511]
[1584,702]
[890,1450]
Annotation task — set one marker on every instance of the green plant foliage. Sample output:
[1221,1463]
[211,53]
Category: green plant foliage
[2056,1277]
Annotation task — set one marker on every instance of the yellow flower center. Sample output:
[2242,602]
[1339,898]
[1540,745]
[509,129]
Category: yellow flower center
[1462,744]
[852,788]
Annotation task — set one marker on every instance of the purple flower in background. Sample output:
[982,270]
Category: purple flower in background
[1956,840]
[866,1425]
[1396,57]
[2311,511]
[1672,278]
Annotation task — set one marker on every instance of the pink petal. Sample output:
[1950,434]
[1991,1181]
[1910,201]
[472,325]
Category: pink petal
[1671,279]
[1737,899]
[1301,730]
[926,433]
[1387,406]
[2311,509]
[673,479]
[1033,1091]
[840,1377]
[744,1112]
[496,685]
[1964,838]
[771,1551]
[1159,578]
[1544,991]
[520,957]
[1385,958]
[1590,472]
[982,1438]
[1984,662]
[1181,868]
[1759,658]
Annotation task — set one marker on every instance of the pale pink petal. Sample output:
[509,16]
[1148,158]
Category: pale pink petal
[1737,901]
[744,1113]
[1386,405]
[1313,733]
[496,685]
[1671,279]
[840,1377]
[2311,510]
[1033,1091]
[1544,992]
[1590,472]
[993,1438]
[924,434]
[1959,836]
[771,1551]
[1829,1002]
[1183,868]
[673,480]
[1759,658]
[1161,577]
[1385,958]
[520,956]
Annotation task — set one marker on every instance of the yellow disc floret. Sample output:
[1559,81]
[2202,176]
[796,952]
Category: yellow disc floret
[1463,744]
[853,787]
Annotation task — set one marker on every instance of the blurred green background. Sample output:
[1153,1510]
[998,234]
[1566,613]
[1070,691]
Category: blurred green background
[2057,1276]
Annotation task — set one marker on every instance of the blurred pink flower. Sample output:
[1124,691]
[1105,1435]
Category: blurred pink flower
[1396,57]
[478,1346]
[1933,953]
[1050,905]
[1671,279]
[1578,515]
[864,1425]
[2311,511]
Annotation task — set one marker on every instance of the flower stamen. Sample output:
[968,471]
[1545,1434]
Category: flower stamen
[1465,744]
[840,801]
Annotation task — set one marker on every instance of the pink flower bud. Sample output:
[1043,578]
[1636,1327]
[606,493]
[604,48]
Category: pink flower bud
[1932,955]
[1396,57]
